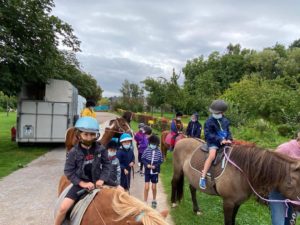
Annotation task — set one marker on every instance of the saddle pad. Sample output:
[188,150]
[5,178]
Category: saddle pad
[79,208]
[197,162]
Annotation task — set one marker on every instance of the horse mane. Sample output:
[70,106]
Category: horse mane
[125,205]
[265,169]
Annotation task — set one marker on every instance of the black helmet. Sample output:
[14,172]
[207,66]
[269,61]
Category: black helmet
[148,130]
[218,106]
[153,139]
[179,114]
[141,125]
[112,144]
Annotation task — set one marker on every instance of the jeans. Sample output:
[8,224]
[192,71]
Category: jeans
[278,210]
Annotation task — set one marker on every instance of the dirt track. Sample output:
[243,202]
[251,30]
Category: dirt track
[28,196]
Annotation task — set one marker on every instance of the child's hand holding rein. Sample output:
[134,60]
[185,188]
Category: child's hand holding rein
[87,185]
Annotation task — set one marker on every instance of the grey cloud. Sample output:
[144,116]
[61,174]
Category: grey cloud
[155,36]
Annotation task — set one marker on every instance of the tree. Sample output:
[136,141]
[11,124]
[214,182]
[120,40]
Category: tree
[156,89]
[132,96]
[29,37]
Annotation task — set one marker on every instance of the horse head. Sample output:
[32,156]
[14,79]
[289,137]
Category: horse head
[290,187]
[115,127]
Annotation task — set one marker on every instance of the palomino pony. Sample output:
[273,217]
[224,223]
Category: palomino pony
[114,207]
[116,127]
[263,171]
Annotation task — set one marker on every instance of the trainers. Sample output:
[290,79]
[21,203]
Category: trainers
[141,173]
[202,183]
[154,204]
[138,171]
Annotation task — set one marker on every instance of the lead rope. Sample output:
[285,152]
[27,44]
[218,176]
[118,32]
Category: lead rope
[99,214]
[286,201]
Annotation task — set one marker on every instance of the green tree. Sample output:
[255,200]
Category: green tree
[132,96]
[29,37]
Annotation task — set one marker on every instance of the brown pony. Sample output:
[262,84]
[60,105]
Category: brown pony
[114,207]
[116,127]
[164,146]
[265,170]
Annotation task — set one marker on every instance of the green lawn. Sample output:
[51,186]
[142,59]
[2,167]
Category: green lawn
[11,156]
[249,213]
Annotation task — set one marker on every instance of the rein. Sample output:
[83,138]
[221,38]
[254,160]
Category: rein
[286,201]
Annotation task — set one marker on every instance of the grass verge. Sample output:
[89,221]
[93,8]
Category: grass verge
[13,157]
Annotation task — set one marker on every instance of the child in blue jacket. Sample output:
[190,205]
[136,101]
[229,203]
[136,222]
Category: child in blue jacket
[126,158]
[217,134]
[152,159]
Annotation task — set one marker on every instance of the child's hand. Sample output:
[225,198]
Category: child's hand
[149,166]
[119,187]
[131,164]
[87,185]
[125,171]
[153,167]
[99,183]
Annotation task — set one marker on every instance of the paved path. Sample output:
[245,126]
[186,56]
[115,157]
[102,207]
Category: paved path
[28,196]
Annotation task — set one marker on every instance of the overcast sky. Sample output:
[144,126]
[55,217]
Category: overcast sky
[134,39]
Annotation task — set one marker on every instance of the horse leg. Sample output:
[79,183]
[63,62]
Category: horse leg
[177,187]
[229,215]
[196,208]
[235,210]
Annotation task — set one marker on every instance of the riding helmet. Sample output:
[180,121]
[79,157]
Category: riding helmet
[125,137]
[87,124]
[218,106]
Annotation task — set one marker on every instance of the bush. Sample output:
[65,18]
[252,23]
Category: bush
[287,130]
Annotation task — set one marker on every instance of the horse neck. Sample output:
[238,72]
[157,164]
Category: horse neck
[264,169]
[107,136]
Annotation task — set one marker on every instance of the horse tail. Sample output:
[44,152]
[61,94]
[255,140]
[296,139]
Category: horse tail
[177,187]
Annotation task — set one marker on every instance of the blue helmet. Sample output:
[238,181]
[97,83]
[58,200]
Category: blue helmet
[87,124]
[125,137]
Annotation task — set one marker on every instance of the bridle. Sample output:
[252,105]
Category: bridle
[119,130]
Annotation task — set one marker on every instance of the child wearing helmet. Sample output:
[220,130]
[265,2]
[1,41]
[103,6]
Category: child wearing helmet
[87,165]
[217,134]
[194,127]
[141,143]
[126,157]
[152,159]
[176,128]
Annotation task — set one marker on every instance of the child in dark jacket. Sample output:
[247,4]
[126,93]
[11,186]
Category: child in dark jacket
[194,127]
[115,171]
[142,143]
[152,159]
[126,157]
[217,134]
[86,164]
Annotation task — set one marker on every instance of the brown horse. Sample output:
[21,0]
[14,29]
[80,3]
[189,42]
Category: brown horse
[116,126]
[163,145]
[265,170]
[114,207]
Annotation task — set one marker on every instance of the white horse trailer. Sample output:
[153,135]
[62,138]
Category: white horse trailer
[45,112]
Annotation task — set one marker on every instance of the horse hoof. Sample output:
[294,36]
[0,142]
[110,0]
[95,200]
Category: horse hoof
[199,213]
[174,205]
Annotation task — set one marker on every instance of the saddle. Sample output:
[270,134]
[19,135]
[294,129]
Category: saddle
[198,159]
[78,210]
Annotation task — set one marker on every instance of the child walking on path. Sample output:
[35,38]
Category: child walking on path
[152,159]
[115,171]
[217,134]
[141,143]
[126,157]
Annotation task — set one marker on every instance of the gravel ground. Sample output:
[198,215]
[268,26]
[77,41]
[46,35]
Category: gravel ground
[28,195]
